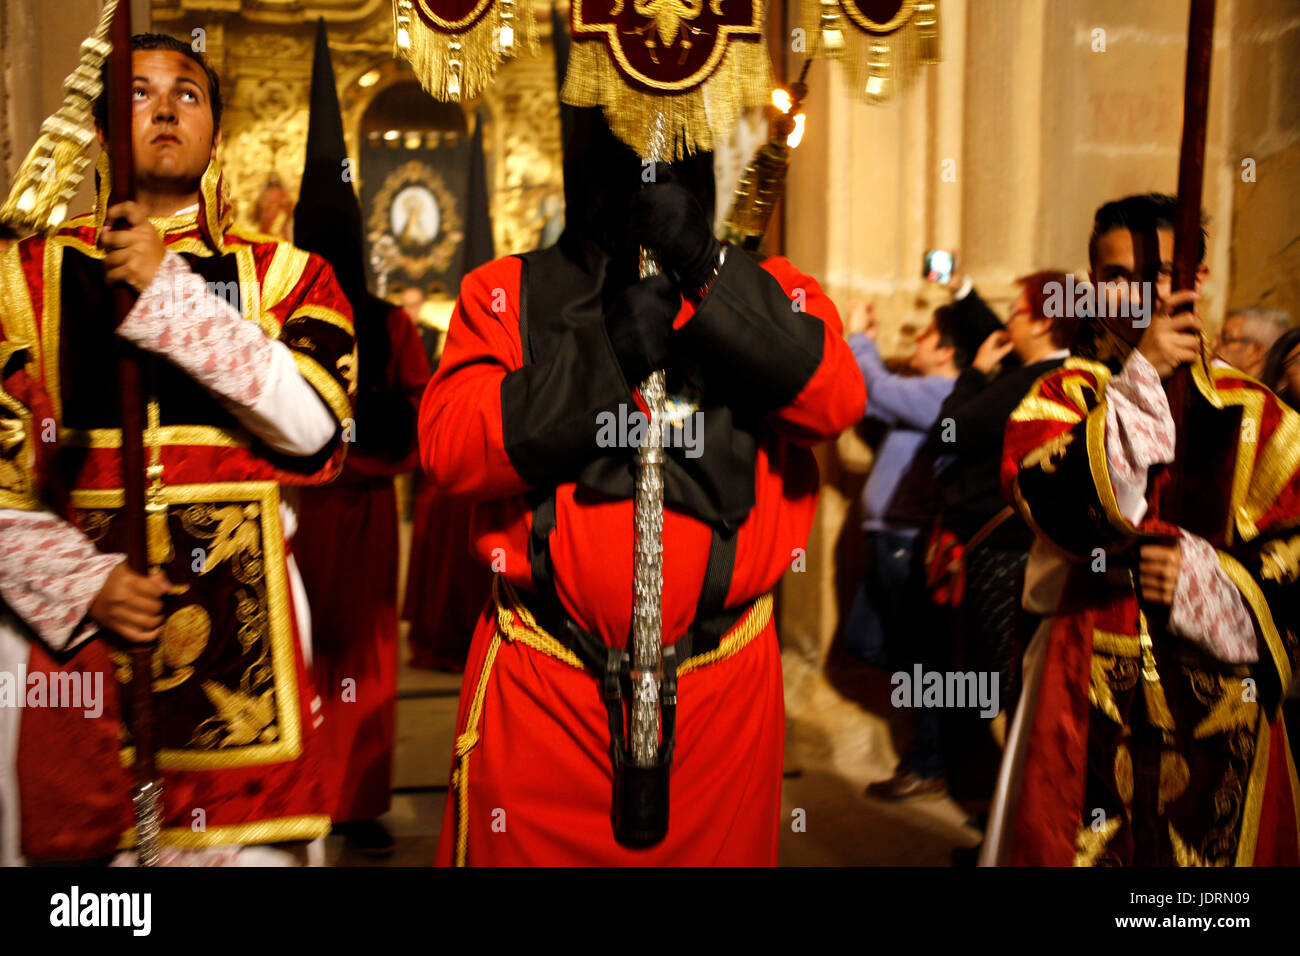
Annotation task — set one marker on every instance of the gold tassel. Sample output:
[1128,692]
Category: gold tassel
[48,178]
[927,32]
[880,65]
[1153,694]
[691,121]
[831,34]
[403,13]
[455,67]
[879,70]
[158,539]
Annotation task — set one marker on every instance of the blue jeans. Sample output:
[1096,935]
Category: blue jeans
[894,625]
[879,619]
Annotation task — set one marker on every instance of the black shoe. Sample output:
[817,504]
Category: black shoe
[367,837]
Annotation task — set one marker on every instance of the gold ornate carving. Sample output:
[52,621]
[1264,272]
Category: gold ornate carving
[262,51]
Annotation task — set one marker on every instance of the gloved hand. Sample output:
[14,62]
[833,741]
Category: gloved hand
[667,219]
[639,320]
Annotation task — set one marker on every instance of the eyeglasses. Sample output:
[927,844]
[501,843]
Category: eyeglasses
[1235,340]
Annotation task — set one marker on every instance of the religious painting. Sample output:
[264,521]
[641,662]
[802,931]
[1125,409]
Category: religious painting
[416,216]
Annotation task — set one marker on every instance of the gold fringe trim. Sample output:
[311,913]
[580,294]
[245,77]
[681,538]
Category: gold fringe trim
[455,67]
[278,830]
[48,178]
[880,64]
[689,122]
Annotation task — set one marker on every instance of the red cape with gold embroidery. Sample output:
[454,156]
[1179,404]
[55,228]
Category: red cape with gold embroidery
[1227,784]
[231,692]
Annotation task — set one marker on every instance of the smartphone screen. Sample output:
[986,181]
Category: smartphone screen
[938,265]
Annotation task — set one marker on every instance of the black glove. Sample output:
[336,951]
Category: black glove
[667,219]
[639,320]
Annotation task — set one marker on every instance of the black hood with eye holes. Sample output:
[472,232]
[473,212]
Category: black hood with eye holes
[602,175]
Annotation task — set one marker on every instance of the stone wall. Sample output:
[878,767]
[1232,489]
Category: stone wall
[1038,113]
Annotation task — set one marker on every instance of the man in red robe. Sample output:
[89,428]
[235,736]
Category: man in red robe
[347,537]
[531,415]
[249,341]
[347,548]
[1149,729]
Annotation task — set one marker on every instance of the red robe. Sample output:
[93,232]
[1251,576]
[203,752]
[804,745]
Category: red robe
[234,724]
[346,549]
[532,776]
[445,588]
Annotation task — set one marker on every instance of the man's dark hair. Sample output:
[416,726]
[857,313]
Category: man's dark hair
[945,322]
[160,41]
[1145,212]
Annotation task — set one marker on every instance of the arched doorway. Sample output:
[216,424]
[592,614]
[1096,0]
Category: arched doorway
[414,154]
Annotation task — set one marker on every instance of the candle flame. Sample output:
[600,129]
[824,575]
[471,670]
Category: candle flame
[796,135]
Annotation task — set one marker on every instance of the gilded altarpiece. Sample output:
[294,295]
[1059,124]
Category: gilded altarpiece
[262,51]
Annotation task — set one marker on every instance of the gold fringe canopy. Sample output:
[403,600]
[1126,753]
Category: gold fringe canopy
[691,120]
[676,115]
[455,49]
[882,42]
[48,178]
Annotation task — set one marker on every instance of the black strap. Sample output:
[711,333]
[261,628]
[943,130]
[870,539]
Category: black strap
[710,609]
[712,620]
[539,548]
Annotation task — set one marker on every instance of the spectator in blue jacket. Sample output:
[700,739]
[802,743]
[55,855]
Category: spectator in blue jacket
[883,624]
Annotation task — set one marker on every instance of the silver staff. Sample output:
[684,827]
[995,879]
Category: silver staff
[647,562]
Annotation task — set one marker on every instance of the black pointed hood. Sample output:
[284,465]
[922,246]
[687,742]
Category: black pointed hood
[327,219]
[479,247]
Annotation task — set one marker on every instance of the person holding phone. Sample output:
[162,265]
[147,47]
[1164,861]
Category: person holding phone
[895,507]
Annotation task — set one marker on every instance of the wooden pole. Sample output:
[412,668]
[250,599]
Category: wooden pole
[146,794]
[1187,228]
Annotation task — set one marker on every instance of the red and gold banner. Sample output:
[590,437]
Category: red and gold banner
[456,46]
[881,41]
[670,74]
